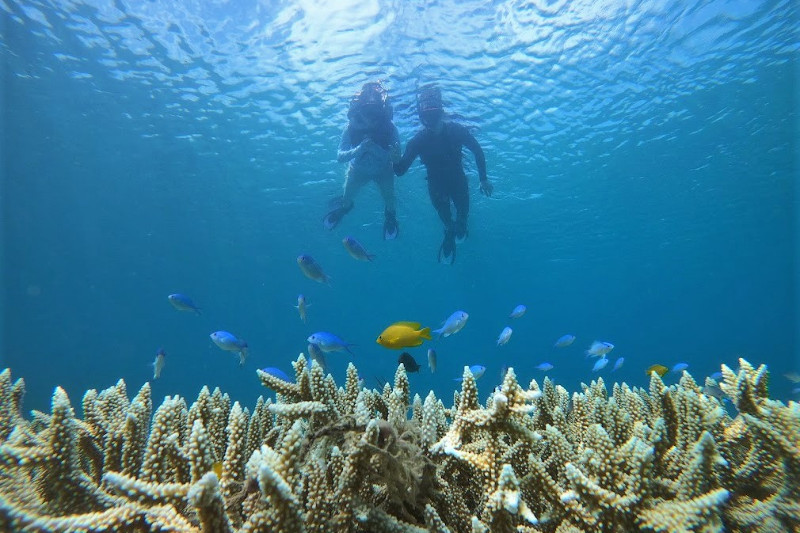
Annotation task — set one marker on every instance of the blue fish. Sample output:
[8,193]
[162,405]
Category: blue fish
[230,343]
[301,306]
[518,311]
[504,336]
[432,360]
[328,342]
[544,367]
[277,372]
[453,324]
[564,340]
[618,364]
[476,370]
[181,302]
[680,367]
[356,250]
[600,364]
[599,349]
[312,270]
[317,355]
[158,364]
[716,376]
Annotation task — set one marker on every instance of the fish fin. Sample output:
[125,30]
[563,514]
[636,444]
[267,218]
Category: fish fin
[198,311]
[415,325]
[425,333]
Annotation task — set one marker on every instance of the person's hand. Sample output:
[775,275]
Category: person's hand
[364,146]
[486,187]
[394,152]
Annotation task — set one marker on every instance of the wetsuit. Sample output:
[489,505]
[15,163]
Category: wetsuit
[440,152]
[365,165]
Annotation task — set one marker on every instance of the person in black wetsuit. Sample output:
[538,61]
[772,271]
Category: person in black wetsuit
[438,146]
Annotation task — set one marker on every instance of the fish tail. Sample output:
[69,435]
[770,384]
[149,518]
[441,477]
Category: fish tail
[425,333]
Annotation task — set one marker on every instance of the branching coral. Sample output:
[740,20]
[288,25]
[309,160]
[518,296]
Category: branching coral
[321,458]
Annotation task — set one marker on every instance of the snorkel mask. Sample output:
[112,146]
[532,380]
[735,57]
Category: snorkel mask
[371,103]
[429,105]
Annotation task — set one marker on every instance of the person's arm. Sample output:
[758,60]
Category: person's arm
[412,150]
[346,150]
[480,160]
[394,145]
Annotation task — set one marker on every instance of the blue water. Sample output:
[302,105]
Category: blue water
[644,157]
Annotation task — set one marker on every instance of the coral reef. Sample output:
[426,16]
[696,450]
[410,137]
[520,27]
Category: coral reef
[323,458]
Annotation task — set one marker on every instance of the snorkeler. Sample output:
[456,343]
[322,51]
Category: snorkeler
[370,145]
[438,146]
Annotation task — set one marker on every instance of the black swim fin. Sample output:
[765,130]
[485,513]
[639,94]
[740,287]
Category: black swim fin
[461,231]
[390,228]
[448,248]
[332,219]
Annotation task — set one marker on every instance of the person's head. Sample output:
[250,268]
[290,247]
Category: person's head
[370,106]
[429,106]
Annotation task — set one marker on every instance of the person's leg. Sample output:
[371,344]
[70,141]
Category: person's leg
[386,187]
[441,202]
[460,195]
[440,198]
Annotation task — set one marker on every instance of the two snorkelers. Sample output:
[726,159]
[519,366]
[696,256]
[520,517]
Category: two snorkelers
[372,147]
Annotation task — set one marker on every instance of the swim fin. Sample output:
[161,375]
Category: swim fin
[461,231]
[334,216]
[390,227]
[448,248]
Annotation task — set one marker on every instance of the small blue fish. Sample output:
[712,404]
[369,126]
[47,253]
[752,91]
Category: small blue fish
[277,372]
[356,250]
[564,341]
[518,311]
[618,364]
[312,270]
[158,364]
[716,376]
[505,335]
[328,342]
[599,348]
[680,367]
[317,355]
[600,364]
[432,360]
[544,367]
[476,370]
[181,302]
[453,324]
[714,391]
[230,343]
[302,306]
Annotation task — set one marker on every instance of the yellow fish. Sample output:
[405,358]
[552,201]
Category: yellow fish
[403,335]
[658,369]
[217,468]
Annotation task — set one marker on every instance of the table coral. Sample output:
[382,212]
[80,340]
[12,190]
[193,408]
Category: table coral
[318,458]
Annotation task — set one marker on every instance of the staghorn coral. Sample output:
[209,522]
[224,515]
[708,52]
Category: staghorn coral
[321,458]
